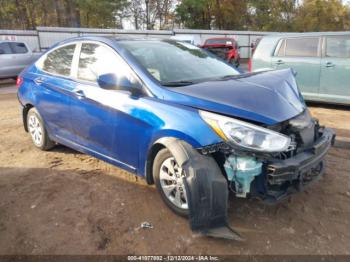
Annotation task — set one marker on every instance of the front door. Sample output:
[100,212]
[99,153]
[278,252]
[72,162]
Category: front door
[95,112]
[303,54]
[335,70]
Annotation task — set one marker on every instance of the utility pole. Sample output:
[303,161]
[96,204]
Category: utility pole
[147,15]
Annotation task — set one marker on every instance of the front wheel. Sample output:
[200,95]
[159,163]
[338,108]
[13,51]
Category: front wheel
[37,130]
[168,177]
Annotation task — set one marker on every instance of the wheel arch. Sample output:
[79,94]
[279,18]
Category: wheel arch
[25,111]
[206,188]
[164,142]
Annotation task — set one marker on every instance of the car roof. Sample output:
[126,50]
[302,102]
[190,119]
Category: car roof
[307,34]
[110,38]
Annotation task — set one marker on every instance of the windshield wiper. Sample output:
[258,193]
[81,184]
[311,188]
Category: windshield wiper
[226,77]
[242,75]
[177,83]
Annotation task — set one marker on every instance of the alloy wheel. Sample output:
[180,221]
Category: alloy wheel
[171,181]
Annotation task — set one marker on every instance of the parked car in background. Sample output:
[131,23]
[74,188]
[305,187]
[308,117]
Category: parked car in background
[178,116]
[225,47]
[321,62]
[14,57]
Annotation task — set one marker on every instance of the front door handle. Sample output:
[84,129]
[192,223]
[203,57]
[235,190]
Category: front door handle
[79,93]
[330,64]
[279,62]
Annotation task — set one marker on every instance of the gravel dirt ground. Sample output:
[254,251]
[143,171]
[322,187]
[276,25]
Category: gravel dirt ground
[65,202]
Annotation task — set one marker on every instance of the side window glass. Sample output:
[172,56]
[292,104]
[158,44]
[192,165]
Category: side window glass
[59,61]
[338,46]
[302,47]
[281,49]
[96,60]
[19,48]
[5,48]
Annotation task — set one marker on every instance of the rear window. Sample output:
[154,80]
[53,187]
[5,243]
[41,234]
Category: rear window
[5,48]
[18,48]
[338,46]
[302,47]
[59,61]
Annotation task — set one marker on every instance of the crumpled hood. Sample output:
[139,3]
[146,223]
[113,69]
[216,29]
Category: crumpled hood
[266,97]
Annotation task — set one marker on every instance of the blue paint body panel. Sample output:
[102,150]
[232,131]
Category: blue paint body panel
[120,128]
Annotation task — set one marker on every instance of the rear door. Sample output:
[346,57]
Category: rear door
[53,85]
[303,54]
[335,69]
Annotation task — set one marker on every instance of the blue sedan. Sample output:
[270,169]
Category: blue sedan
[178,116]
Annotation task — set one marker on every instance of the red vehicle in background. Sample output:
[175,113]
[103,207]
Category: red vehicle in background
[225,47]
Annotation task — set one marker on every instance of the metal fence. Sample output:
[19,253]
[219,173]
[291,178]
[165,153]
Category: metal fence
[44,37]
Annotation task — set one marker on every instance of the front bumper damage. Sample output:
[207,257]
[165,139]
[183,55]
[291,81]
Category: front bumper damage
[285,177]
[208,189]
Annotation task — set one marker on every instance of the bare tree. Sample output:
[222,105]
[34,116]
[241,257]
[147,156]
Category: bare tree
[136,11]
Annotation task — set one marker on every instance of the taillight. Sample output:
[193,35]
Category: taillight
[19,81]
[250,65]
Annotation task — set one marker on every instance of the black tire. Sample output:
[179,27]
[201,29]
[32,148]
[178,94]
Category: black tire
[163,155]
[45,143]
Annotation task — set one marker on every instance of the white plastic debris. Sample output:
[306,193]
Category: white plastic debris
[146,225]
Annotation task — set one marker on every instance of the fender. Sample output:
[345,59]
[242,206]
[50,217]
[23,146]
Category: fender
[207,190]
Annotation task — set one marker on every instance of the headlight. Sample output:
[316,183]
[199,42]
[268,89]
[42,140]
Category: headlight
[246,135]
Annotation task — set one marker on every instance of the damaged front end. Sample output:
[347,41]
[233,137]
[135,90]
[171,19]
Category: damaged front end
[289,172]
[270,176]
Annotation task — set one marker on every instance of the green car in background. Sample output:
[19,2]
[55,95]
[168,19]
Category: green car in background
[320,60]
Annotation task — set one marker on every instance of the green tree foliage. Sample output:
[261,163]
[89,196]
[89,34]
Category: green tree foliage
[264,15]
[271,15]
[195,13]
[27,14]
[322,15]
[101,13]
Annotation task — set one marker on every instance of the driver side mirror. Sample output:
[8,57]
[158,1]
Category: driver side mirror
[113,82]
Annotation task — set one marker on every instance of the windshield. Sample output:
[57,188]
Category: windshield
[177,63]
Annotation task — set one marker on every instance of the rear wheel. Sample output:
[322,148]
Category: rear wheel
[37,130]
[168,177]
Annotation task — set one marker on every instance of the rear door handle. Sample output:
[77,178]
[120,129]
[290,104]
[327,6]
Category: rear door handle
[79,93]
[330,64]
[279,62]
[39,80]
